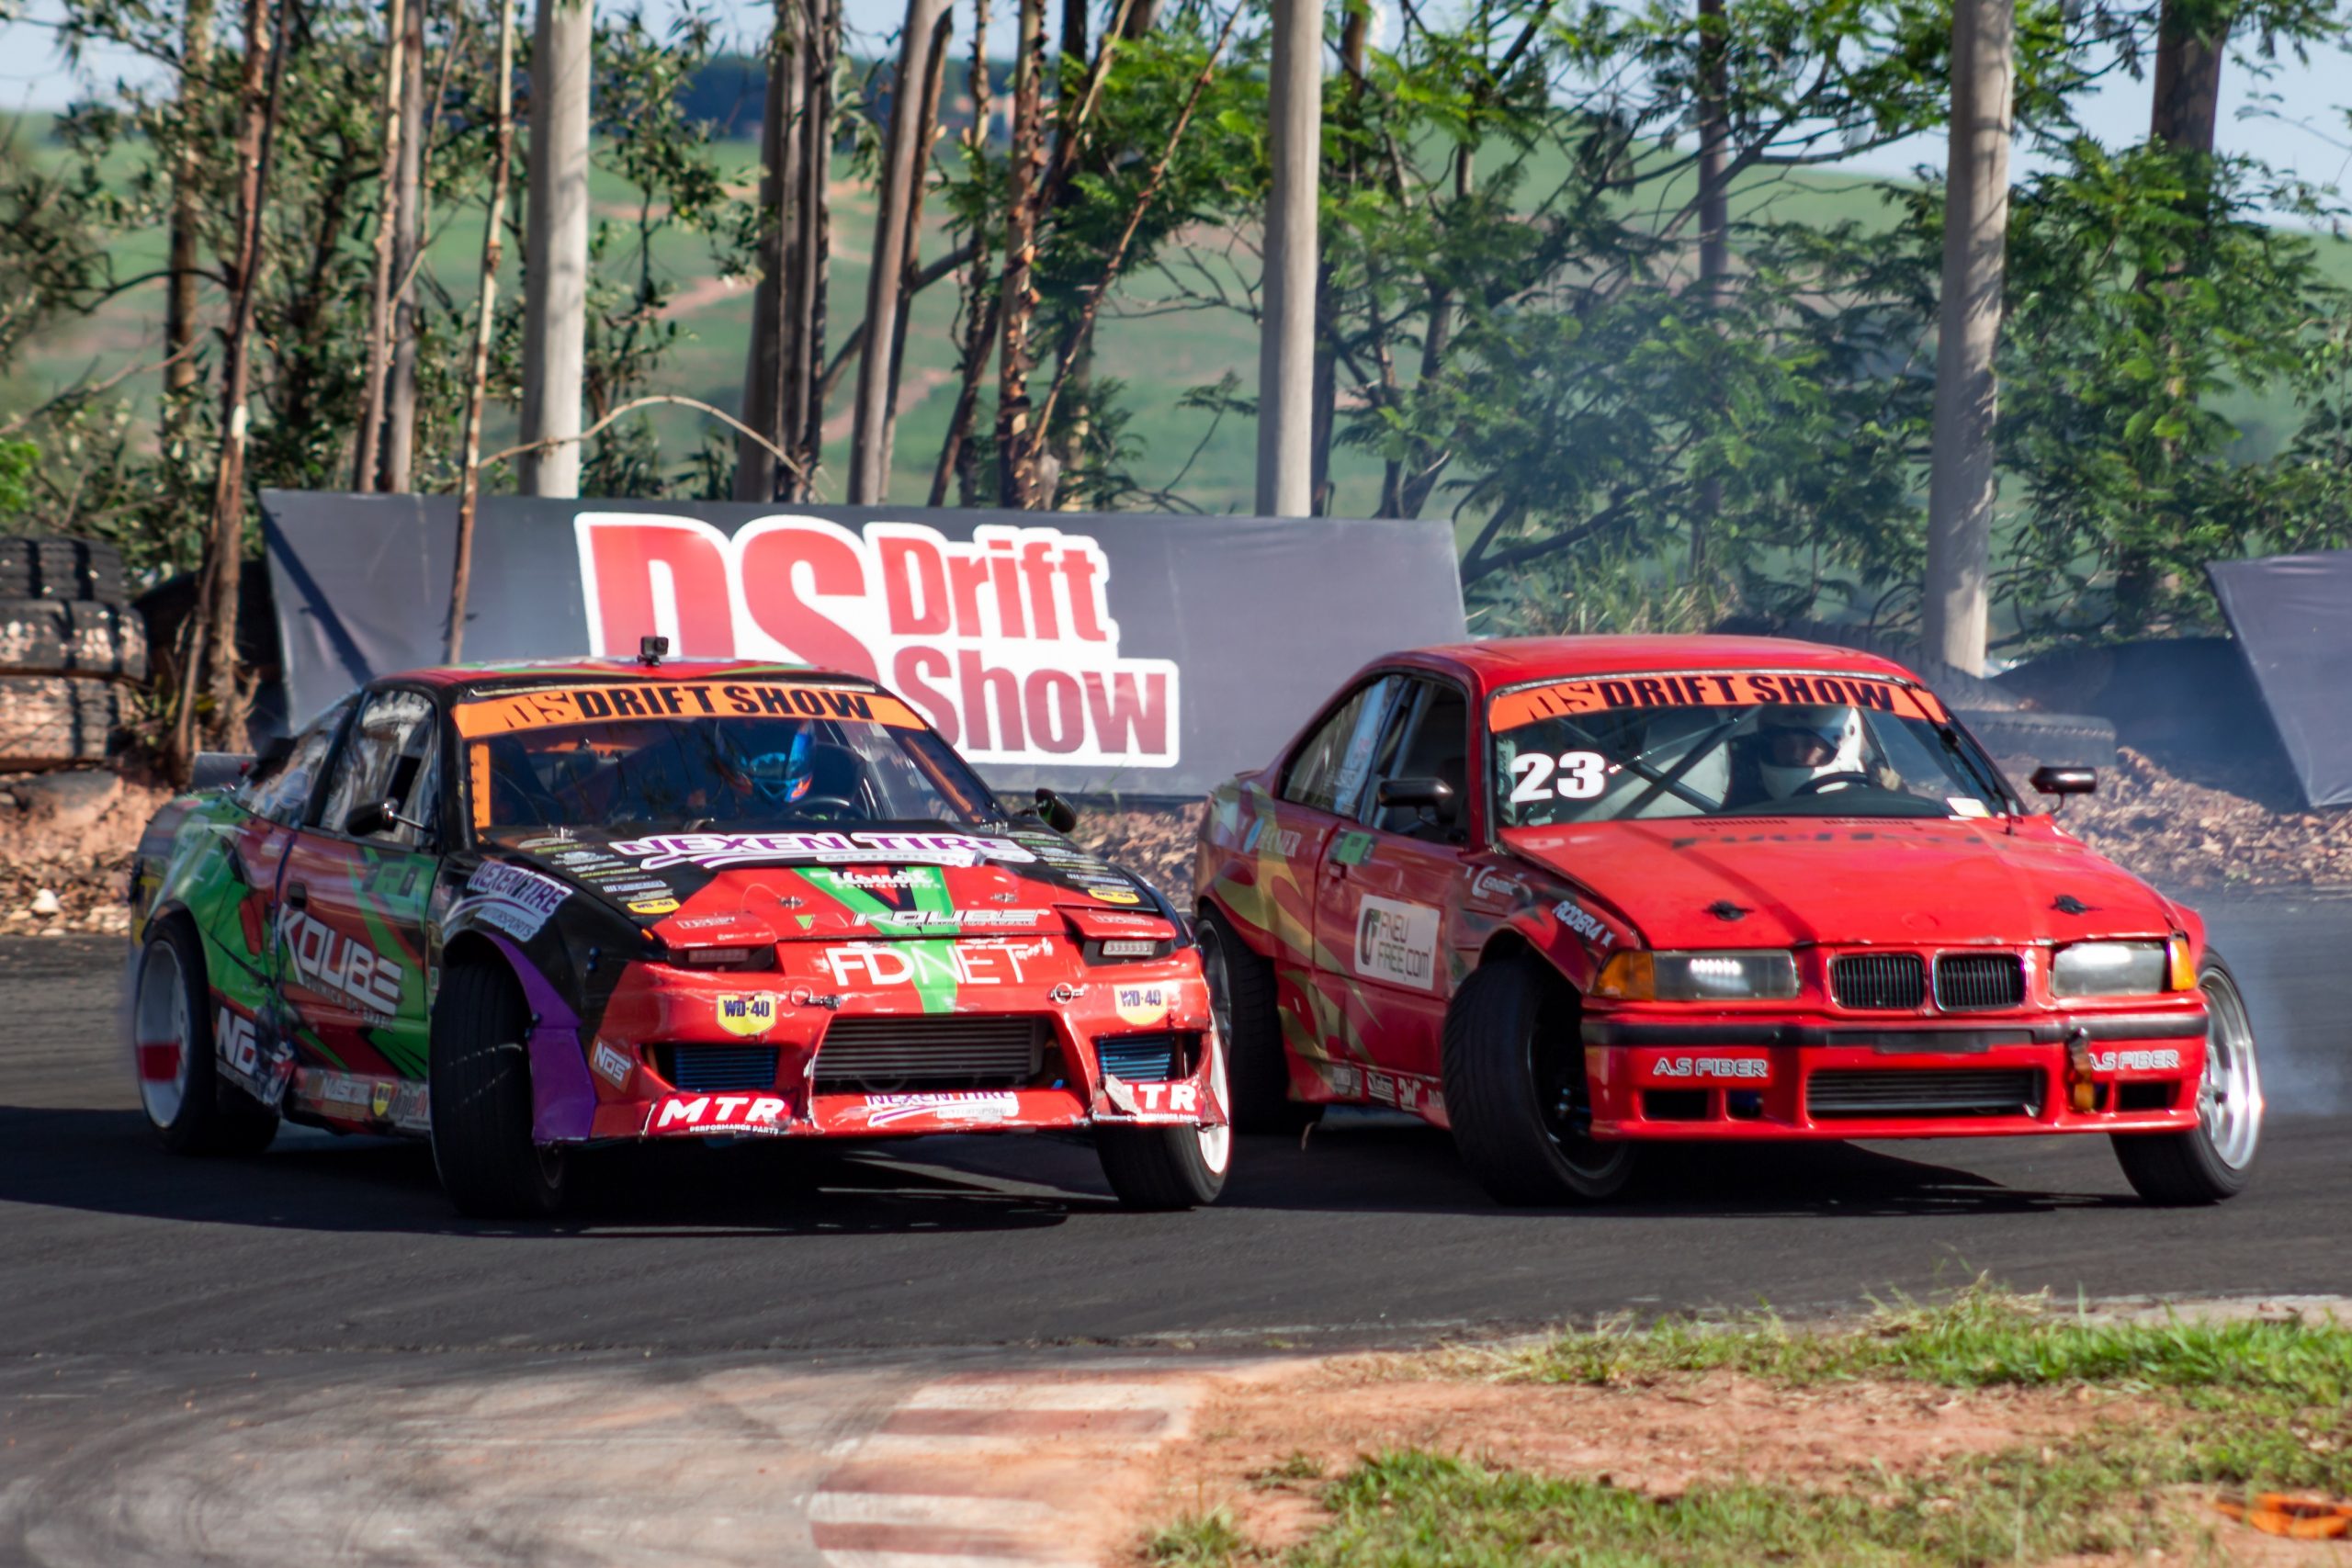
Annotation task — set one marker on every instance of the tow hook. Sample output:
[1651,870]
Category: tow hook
[2081,1093]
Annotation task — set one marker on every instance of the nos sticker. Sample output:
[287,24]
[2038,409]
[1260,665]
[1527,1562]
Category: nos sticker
[1397,942]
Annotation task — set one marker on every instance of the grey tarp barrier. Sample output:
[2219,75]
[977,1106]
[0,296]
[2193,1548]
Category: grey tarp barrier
[1093,652]
[2292,616]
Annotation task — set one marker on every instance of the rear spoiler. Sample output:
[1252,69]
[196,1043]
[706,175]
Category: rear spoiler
[225,769]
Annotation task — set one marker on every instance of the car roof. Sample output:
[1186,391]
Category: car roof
[1507,662]
[458,679]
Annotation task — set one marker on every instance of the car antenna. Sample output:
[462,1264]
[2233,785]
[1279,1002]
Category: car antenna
[650,650]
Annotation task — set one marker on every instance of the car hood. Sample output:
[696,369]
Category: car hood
[1753,882]
[856,882]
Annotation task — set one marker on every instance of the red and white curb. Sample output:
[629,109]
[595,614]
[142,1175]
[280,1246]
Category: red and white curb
[998,1470]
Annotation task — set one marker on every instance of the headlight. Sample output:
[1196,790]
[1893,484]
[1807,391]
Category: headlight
[2111,969]
[1698,977]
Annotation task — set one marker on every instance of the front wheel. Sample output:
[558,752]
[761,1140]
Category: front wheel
[1241,992]
[481,1100]
[1516,1093]
[2212,1160]
[193,1109]
[1171,1168]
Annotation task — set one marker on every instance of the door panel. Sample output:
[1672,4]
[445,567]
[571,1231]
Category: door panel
[350,921]
[1386,897]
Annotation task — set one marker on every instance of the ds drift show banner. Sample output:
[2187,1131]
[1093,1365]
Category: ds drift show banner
[1142,654]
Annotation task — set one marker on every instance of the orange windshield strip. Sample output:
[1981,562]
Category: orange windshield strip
[550,707]
[1532,704]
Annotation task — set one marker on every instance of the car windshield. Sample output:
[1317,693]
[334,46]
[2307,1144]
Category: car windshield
[694,754]
[1735,744]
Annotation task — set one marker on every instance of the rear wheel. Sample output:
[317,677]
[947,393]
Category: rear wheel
[1241,991]
[193,1109]
[1171,1168]
[2212,1160]
[481,1100]
[1517,1092]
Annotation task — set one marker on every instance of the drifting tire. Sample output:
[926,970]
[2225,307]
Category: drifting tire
[1169,1167]
[1516,1093]
[53,567]
[1241,992]
[193,1109]
[480,1099]
[2213,1160]
[67,636]
[49,720]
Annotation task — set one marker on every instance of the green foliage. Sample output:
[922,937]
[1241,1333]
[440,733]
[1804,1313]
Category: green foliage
[17,461]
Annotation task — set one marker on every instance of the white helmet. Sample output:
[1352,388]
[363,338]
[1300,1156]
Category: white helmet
[1801,744]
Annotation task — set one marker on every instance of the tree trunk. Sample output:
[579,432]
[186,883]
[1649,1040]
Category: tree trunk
[408,223]
[911,259]
[1286,338]
[2186,104]
[259,91]
[188,215]
[1070,435]
[555,285]
[502,161]
[2184,110]
[1976,210]
[896,195]
[1715,221]
[366,464]
[955,451]
[1017,299]
[755,467]
[808,249]
[1355,27]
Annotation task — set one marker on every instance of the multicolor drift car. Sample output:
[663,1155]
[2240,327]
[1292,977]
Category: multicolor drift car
[528,910]
[1572,897]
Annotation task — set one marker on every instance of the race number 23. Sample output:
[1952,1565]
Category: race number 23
[1572,776]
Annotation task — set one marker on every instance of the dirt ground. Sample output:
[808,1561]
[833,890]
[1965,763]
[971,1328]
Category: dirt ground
[1263,1444]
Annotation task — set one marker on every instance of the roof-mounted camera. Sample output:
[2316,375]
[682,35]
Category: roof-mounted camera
[652,650]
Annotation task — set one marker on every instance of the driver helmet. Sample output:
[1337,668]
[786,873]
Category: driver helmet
[783,776]
[1801,744]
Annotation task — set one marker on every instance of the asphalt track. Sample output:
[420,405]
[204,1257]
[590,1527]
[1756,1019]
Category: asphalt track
[138,1291]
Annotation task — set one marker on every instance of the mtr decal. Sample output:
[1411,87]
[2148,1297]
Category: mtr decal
[1006,643]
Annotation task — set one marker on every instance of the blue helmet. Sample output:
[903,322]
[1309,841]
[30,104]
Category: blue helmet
[780,777]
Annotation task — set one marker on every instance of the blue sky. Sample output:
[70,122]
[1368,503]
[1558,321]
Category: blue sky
[2295,120]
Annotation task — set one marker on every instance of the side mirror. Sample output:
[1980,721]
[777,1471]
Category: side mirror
[1432,795]
[375,816]
[1055,812]
[2065,780]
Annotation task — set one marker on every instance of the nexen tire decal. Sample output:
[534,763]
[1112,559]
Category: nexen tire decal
[1006,644]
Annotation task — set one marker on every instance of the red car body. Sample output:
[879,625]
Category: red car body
[1372,934]
[676,967]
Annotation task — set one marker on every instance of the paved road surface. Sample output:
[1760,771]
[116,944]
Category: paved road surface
[146,1302]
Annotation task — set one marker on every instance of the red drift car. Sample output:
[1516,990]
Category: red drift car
[526,911]
[1569,896]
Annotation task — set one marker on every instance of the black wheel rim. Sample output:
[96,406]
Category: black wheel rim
[1564,1098]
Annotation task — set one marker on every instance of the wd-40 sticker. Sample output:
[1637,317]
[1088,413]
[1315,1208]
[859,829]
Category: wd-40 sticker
[1007,642]
[516,901]
[747,1015]
[664,849]
[1397,942]
[328,961]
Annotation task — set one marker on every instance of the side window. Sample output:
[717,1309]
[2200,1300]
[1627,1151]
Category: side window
[283,793]
[1435,745]
[1329,771]
[389,757]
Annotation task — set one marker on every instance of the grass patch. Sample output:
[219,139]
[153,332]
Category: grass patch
[1198,1537]
[2221,1407]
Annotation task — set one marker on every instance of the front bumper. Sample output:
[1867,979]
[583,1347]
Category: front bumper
[658,1012]
[1668,1072]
